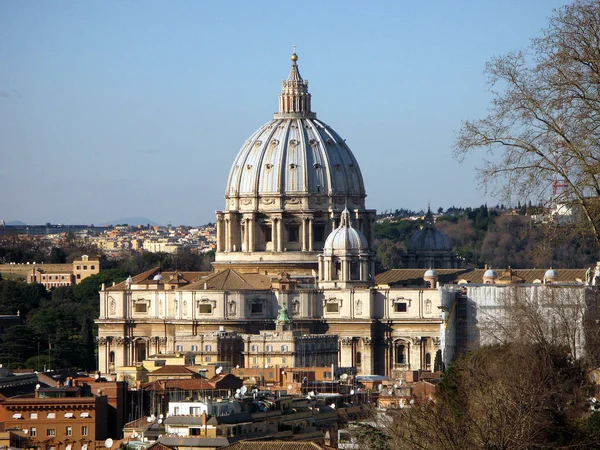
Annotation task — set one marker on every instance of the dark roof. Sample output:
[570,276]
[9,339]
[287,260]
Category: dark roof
[172,277]
[415,276]
[273,445]
[193,384]
[173,370]
[194,442]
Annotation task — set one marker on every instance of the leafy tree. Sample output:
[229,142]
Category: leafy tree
[544,121]
[57,256]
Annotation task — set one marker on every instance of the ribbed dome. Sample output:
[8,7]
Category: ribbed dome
[490,273]
[430,273]
[345,239]
[295,156]
[429,237]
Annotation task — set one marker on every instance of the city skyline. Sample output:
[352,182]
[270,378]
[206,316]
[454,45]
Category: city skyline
[112,110]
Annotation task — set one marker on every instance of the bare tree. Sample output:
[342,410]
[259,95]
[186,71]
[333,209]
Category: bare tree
[544,122]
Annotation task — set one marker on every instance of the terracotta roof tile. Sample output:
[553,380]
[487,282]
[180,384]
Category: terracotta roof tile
[173,370]
[193,384]
[232,280]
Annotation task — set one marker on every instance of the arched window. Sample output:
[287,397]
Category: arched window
[111,357]
[427,361]
[338,270]
[358,358]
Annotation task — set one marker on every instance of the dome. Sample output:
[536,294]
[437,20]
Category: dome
[345,239]
[430,273]
[551,273]
[295,156]
[429,237]
[490,273]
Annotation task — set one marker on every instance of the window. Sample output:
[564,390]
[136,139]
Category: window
[194,348]
[268,233]
[79,276]
[33,416]
[293,233]
[269,359]
[254,361]
[176,410]
[319,232]
[84,267]
[254,348]
[179,348]
[51,416]
[195,410]
[93,267]
[256,308]
[204,309]
[333,307]
[207,358]
[354,270]
[207,348]
[141,307]
[32,432]
[69,431]
[327,375]
[284,360]
[84,430]
[269,348]
[358,358]
[400,307]
[284,348]
[50,432]
[78,267]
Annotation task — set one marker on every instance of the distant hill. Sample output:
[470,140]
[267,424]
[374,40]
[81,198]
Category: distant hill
[130,221]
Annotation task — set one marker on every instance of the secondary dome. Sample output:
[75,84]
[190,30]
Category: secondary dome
[345,239]
[295,155]
[429,237]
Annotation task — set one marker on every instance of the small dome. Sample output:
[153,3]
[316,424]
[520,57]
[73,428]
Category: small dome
[551,273]
[429,237]
[345,239]
[430,273]
[490,273]
[158,277]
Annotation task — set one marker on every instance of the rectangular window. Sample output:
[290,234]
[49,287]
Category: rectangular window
[319,232]
[269,359]
[69,431]
[400,307]
[79,276]
[269,348]
[32,432]
[33,415]
[141,307]
[205,309]
[84,430]
[254,360]
[194,348]
[51,416]
[93,267]
[293,233]
[268,233]
[284,360]
[254,348]
[84,267]
[50,432]
[176,410]
[207,348]
[207,358]
[333,307]
[179,348]
[78,267]
[256,308]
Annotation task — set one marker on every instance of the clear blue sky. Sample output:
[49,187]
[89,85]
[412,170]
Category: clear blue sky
[113,109]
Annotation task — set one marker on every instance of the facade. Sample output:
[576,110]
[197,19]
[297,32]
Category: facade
[58,418]
[58,275]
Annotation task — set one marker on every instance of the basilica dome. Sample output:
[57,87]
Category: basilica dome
[293,157]
[429,237]
[345,240]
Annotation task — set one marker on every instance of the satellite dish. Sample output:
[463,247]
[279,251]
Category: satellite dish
[332,405]
[243,390]
[149,419]
[68,447]
[134,434]
[266,366]
[37,386]
[311,393]
[237,366]
[96,376]
[25,431]
[160,421]
[380,387]
[160,416]
[352,392]
[108,443]
[344,376]
[395,386]
[219,370]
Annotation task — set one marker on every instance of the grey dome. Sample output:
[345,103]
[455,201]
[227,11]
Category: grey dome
[430,273]
[429,237]
[551,273]
[490,273]
[345,239]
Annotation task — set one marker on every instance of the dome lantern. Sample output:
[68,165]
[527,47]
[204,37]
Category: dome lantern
[294,100]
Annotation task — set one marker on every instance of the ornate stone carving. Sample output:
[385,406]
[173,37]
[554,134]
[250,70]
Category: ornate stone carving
[367,340]
[163,340]
[232,307]
[346,340]
[436,341]
[112,307]
[295,307]
[101,340]
[267,201]
[416,340]
[185,311]
[359,307]
[122,340]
